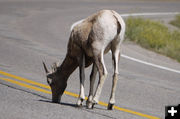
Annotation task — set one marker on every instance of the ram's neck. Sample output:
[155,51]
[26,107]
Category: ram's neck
[67,67]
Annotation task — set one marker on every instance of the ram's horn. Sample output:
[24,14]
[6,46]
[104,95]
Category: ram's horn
[45,68]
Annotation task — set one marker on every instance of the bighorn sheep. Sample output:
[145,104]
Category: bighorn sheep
[89,40]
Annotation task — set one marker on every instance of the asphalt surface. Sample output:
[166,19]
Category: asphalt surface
[32,31]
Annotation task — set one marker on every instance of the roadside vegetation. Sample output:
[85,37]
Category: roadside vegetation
[176,21]
[154,36]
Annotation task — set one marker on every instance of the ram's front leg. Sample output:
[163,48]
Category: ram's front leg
[81,61]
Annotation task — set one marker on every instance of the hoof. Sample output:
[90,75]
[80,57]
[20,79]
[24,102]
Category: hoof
[88,104]
[93,105]
[79,102]
[110,106]
[79,106]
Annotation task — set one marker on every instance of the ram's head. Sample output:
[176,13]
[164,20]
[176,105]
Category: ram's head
[55,81]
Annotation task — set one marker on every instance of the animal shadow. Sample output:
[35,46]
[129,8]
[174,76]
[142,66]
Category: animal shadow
[61,103]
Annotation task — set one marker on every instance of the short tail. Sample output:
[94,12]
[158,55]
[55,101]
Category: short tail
[121,25]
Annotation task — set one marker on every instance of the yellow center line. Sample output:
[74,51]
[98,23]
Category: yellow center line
[25,85]
[66,92]
[23,79]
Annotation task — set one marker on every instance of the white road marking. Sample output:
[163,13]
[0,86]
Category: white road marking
[150,14]
[150,64]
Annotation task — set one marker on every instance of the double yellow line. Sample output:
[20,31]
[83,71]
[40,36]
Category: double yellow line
[42,88]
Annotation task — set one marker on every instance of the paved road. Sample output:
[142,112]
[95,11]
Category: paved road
[32,31]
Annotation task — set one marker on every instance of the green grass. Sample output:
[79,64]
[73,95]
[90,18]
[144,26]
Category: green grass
[176,21]
[154,36]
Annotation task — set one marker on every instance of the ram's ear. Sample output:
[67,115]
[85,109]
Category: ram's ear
[49,80]
[45,68]
[54,67]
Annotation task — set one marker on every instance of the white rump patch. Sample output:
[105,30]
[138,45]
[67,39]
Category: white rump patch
[76,23]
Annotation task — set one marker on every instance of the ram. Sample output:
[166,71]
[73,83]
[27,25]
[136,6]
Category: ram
[89,40]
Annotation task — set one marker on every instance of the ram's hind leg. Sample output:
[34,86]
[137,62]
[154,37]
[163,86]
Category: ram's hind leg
[81,61]
[99,61]
[115,56]
[92,80]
